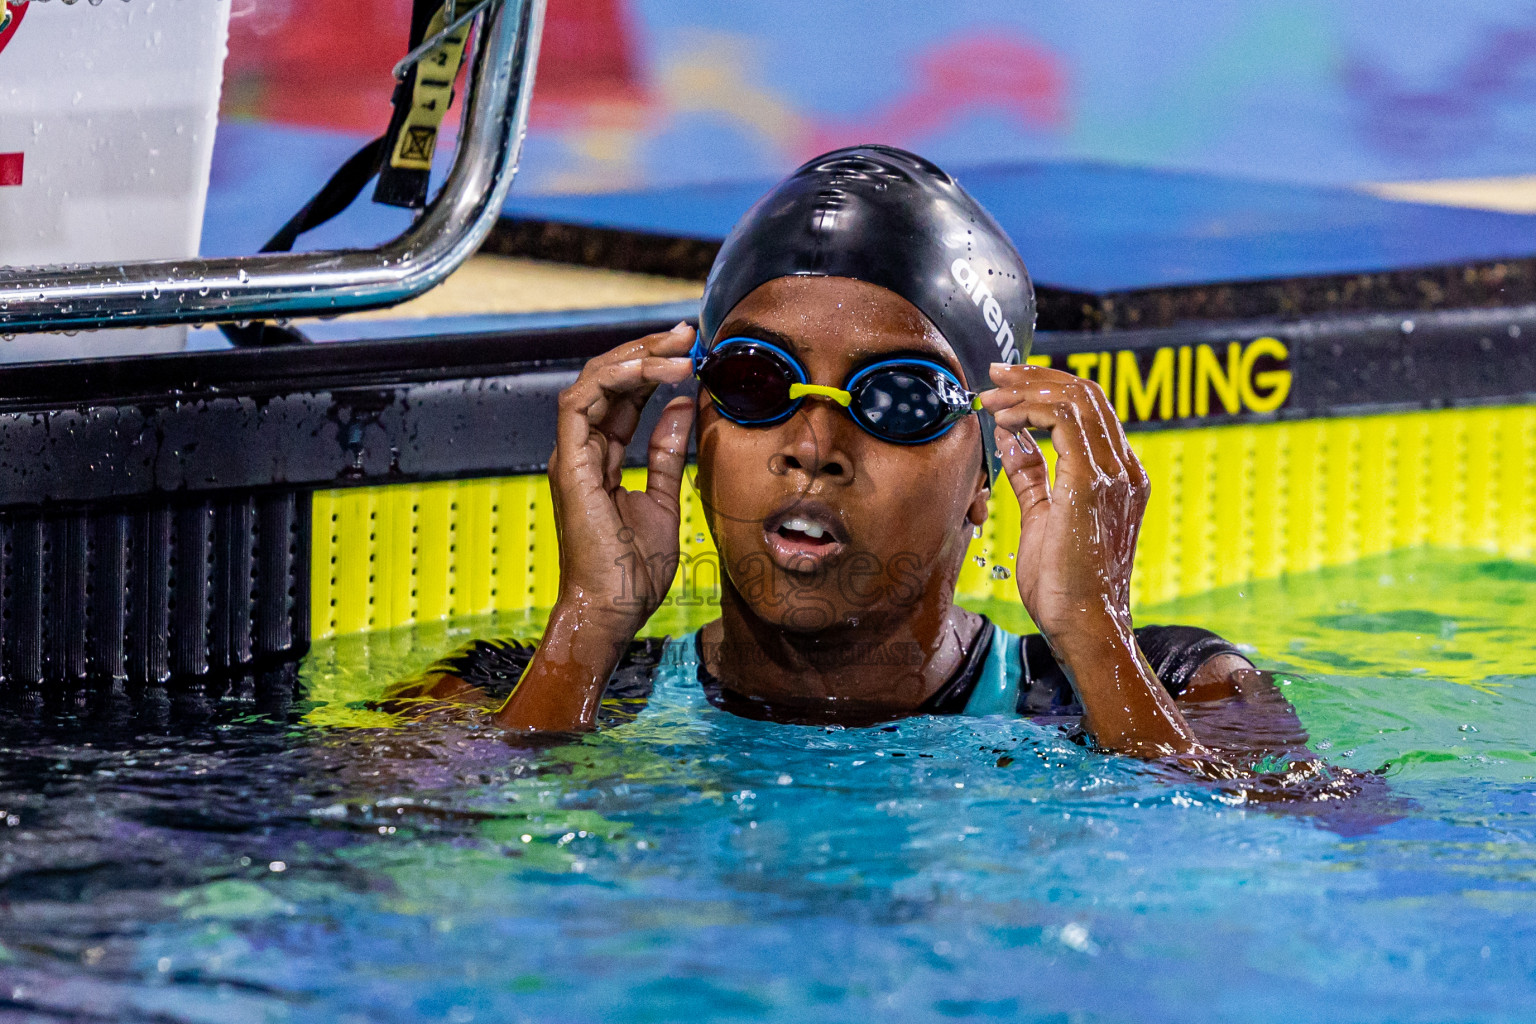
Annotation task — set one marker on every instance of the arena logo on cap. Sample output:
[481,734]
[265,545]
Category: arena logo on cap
[970,281]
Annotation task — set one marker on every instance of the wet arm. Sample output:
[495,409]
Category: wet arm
[563,686]
[1076,546]
[1125,708]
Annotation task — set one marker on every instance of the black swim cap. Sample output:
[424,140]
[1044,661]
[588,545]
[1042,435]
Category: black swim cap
[888,217]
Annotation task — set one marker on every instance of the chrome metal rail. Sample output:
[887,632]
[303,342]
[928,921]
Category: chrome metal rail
[281,285]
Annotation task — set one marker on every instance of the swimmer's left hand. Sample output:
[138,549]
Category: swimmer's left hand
[1079,534]
[1076,546]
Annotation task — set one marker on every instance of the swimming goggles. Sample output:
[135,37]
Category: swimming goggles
[905,401]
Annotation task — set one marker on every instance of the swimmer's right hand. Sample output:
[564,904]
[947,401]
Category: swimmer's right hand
[619,548]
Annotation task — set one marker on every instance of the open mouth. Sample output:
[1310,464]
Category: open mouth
[802,537]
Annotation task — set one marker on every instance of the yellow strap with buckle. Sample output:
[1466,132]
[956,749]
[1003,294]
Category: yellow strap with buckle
[435,74]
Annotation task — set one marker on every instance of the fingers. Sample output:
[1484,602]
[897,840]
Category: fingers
[613,387]
[578,459]
[603,391]
[598,413]
[1028,396]
[673,343]
[669,452]
[1094,455]
[1114,433]
[1105,428]
[1024,465]
[1083,427]
[613,466]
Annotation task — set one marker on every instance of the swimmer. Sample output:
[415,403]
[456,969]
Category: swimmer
[863,384]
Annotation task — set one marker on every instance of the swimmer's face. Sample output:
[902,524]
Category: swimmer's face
[893,520]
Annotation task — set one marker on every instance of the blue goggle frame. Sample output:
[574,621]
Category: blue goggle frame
[951,395]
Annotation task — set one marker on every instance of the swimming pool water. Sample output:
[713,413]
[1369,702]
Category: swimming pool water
[320,862]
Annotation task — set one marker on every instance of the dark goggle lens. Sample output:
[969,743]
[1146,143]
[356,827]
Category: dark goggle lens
[750,383]
[906,404]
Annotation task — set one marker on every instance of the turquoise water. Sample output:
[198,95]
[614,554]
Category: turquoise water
[321,863]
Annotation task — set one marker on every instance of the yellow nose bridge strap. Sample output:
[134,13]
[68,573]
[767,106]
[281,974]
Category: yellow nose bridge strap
[840,396]
[837,395]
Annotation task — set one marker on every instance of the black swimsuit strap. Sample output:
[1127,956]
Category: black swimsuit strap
[955,694]
[949,699]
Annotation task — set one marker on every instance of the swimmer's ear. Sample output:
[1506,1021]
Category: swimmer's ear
[976,515]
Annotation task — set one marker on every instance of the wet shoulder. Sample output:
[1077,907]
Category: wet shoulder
[1001,670]
[1175,653]
[496,666]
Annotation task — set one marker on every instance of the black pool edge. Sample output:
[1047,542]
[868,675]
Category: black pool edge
[154,510]
[446,406]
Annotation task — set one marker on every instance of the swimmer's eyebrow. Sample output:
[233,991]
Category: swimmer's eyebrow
[752,329]
[926,355]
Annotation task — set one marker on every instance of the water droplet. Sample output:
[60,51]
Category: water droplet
[981,561]
[154,292]
[976,532]
[698,538]
[1000,572]
[242,276]
[1407,326]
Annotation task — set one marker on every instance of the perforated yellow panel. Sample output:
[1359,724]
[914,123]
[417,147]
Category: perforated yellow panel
[1229,504]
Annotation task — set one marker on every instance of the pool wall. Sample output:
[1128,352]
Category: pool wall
[201,516]
[1230,504]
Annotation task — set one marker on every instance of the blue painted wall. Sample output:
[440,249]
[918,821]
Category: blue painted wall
[1288,90]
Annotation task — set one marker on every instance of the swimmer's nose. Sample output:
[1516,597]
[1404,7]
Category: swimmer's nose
[813,446]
